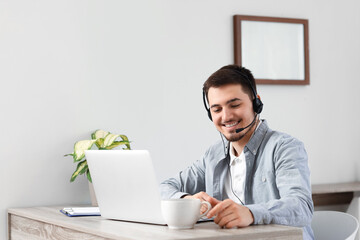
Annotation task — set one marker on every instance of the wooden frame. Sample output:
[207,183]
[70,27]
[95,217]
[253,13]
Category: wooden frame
[294,31]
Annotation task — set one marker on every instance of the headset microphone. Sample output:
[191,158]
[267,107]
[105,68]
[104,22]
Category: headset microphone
[242,129]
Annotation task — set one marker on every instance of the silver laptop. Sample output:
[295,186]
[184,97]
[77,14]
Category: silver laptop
[125,185]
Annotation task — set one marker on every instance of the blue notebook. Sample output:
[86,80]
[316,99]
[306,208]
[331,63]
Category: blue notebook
[81,211]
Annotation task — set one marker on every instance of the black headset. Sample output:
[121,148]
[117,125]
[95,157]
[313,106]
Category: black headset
[257,103]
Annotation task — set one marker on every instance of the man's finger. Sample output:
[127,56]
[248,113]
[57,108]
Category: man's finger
[222,215]
[218,208]
[225,221]
[211,200]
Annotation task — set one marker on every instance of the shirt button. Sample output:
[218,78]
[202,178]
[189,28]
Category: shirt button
[263,179]
[254,152]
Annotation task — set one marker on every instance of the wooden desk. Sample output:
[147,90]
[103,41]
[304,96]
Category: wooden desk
[48,223]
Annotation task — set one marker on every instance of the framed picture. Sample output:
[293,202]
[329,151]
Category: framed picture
[276,50]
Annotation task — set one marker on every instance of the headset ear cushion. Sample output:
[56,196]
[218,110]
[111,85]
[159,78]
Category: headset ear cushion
[257,105]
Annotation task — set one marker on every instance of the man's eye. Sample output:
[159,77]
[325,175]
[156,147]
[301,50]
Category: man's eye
[216,110]
[235,106]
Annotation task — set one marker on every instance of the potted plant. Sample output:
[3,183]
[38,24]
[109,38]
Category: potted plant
[103,140]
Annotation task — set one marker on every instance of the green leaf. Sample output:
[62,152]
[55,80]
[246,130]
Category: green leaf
[99,134]
[125,138]
[80,147]
[109,139]
[80,169]
[127,146]
[99,143]
[116,144]
[84,169]
[88,175]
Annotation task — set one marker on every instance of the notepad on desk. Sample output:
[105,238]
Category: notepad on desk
[81,211]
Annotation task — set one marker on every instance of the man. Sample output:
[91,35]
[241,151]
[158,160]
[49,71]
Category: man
[257,176]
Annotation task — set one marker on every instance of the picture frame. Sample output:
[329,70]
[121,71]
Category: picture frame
[276,50]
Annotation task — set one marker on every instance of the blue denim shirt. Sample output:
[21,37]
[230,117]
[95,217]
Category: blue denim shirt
[277,188]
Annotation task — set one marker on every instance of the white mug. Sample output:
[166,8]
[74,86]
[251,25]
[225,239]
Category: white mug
[182,213]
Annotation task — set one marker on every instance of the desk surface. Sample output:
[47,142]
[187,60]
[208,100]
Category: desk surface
[49,223]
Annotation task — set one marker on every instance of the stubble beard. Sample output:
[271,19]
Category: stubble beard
[234,137]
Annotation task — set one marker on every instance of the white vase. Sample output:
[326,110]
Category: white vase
[94,202]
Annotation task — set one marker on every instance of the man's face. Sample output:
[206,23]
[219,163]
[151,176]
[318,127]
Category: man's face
[231,108]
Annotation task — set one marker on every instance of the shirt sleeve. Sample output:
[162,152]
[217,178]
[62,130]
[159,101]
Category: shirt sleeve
[292,174]
[189,181]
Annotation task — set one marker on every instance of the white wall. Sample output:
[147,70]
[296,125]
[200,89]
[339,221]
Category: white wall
[136,67]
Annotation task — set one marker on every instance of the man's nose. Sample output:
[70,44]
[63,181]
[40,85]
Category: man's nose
[227,115]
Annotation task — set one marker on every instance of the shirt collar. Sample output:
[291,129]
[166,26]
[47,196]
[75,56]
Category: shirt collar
[231,154]
[233,157]
[257,137]
[254,142]
[241,155]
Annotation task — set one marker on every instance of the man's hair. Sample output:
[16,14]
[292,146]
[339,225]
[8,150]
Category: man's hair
[231,74]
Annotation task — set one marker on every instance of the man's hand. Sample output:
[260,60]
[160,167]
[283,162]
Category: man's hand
[203,196]
[229,214]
